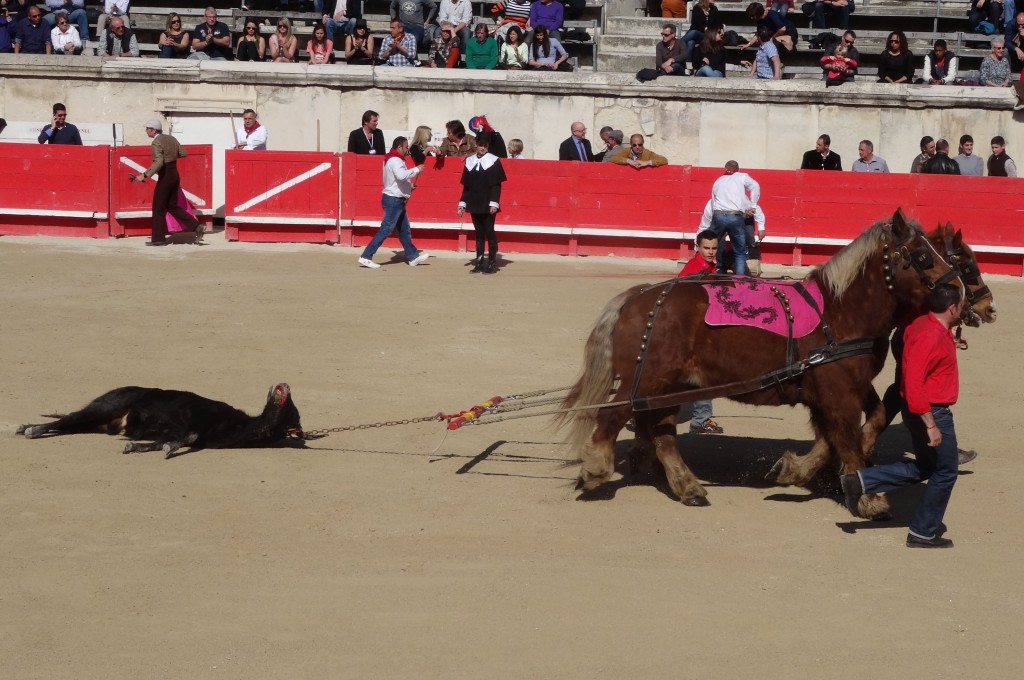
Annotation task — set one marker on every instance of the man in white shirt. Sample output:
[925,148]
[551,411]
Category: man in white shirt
[460,14]
[251,136]
[730,206]
[398,188]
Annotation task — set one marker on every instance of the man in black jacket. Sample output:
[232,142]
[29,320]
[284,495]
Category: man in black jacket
[60,131]
[820,157]
[577,147]
[367,139]
[941,163]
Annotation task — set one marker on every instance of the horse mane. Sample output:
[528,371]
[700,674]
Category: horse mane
[845,266]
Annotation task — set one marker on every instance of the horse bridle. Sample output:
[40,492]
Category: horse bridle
[922,259]
[970,275]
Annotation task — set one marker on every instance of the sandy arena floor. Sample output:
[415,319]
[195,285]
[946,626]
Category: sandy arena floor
[369,556]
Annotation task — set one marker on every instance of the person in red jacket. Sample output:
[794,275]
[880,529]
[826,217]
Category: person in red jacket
[701,421]
[930,385]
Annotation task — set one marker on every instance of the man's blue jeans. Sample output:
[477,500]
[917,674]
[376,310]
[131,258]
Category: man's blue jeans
[1009,21]
[706,71]
[345,27]
[394,216]
[937,464]
[820,9]
[734,226]
[701,412]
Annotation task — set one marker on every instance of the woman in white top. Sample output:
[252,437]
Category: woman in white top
[514,52]
[64,37]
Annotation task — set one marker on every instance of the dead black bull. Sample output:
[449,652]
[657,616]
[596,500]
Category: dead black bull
[167,420]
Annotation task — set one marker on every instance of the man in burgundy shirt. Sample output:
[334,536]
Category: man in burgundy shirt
[930,386]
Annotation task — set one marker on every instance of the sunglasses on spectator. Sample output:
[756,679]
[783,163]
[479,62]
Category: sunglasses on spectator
[894,40]
[666,35]
[175,21]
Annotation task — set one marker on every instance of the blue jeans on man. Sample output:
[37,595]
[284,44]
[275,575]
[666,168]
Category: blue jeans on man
[731,223]
[394,216]
[345,27]
[821,8]
[937,464]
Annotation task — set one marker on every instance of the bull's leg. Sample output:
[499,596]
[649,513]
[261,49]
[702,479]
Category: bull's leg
[95,417]
[141,447]
[170,448]
[597,460]
[681,479]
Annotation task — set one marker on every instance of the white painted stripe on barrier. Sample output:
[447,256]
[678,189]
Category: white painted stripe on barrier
[139,169]
[319,221]
[274,191]
[1009,250]
[33,212]
[822,241]
[628,233]
[137,214]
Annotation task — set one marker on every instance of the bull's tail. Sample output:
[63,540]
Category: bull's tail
[598,376]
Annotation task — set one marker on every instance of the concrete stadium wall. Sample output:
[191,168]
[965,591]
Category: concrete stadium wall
[701,122]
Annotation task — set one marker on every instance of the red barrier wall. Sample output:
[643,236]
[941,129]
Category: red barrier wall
[589,208]
[131,203]
[281,196]
[54,190]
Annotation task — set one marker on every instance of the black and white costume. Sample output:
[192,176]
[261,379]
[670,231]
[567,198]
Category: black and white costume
[481,190]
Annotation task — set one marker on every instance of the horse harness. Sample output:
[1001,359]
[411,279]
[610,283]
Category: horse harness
[920,259]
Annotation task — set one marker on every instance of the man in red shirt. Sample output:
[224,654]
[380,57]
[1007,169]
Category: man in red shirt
[701,421]
[930,386]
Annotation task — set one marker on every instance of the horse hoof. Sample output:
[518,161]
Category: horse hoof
[32,431]
[128,448]
[21,429]
[697,502]
[882,517]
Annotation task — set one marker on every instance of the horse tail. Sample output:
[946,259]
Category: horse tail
[598,376]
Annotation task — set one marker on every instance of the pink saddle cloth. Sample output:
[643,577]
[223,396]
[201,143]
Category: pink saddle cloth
[752,303]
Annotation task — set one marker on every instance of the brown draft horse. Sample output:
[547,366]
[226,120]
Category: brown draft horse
[792,469]
[867,288]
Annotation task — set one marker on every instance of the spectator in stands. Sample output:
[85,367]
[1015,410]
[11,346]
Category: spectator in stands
[512,13]
[283,45]
[896,63]
[515,147]
[60,131]
[211,39]
[359,48]
[367,139]
[766,64]
[118,40]
[443,53]
[703,15]
[251,136]
[781,30]
[515,53]
[837,65]
[782,7]
[416,16]
[709,56]
[420,147]
[32,36]
[577,146]
[482,50]
[343,19]
[547,13]
[6,31]
[251,46]
[606,140]
[174,42]
[459,13]
[868,161]
[841,8]
[999,164]
[64,37]
[939,65]
[637,157]
[670,53]
[458,143]
[546,53]
[1009,13]
[74,10]
[1015,44]
[969,163]
[847,42]
[821,157]
[941,163]
[927,151]
[995,67]
[673,9]
[320,48]
[985,10]
[399,48]
[113,8]
[615,146]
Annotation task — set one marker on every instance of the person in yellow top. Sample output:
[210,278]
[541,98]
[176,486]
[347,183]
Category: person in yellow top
[637,156]
[166,152]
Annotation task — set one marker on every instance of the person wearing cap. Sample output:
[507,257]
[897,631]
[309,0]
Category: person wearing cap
[614,143]
[359,49]
[166,152]
[479,125]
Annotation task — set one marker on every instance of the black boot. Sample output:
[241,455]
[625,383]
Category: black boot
[478,265]
[489,267]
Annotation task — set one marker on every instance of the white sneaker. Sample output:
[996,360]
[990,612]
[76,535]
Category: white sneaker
[1018,107]
[368,263]
[422,257]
